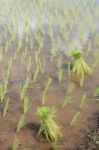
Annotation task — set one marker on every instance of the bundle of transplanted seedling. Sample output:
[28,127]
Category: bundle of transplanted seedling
[48,127]
[80,67]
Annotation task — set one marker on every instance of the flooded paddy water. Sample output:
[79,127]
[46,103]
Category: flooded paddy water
[37,41]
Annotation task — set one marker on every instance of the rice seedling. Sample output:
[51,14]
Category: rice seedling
[36,57]
[60,72]
[40,46]
[31,44]
[96,92]
[21,123]
[29,64]
[80,68]
[7,46]
[26,104]
[40,5]
[37,36]
[39,16]
[50,27]
[19,43]
[43,67]
[38,66]
[24,87]
[16,144]
[75,117]
[51,33]
[9,68]
[27,33]
[6,107]
[70,88]
[83,100]
[92,3]
[66,100]
[1,55]
[89,48]
[24,54]
[3,90]
[60,75]
[48,126]
[15,55]
[52,52]
[68,96]
[44,94]
[96,62]
[58,18]
[36,74]
[69,69]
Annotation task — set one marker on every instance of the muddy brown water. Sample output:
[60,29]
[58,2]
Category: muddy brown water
[28,135]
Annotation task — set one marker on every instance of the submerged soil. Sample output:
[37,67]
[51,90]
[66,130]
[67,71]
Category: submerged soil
[90,141]
[56,93]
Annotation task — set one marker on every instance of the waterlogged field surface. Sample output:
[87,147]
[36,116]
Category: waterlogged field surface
[37,39]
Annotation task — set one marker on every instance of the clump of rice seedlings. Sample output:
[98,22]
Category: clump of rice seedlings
[83,100]
[21,122]
[16,144]
[75,117]
[47,85]
[60,72]
[26,104]
[6,107]
[80,68]
[48,127]
[68,96]
[24,87]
